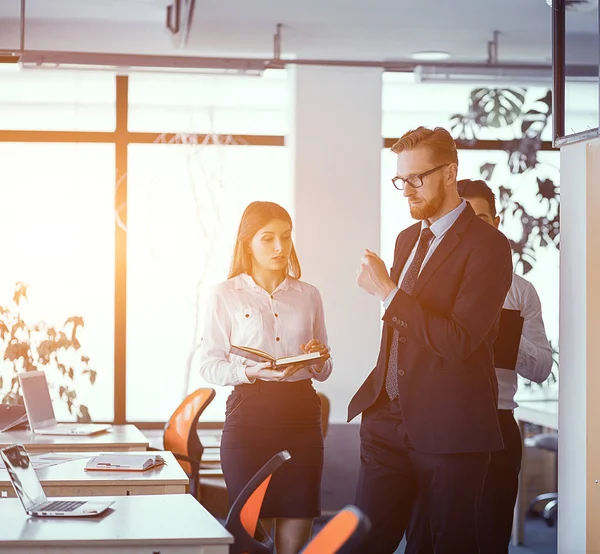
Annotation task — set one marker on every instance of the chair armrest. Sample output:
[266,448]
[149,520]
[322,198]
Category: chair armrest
[192,461]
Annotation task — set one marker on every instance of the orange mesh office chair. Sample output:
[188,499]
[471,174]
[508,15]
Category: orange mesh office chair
[180,435]
[242,520]
[341,535]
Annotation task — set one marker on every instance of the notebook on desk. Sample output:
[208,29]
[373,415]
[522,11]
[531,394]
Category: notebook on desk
[124,462]
[506,347]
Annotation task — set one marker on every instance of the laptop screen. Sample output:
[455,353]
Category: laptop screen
[23,477]
[37,399]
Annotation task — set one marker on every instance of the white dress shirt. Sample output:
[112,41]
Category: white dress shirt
[534,361]
[242,313]
[439,229]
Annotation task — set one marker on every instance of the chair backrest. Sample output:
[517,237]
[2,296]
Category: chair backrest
[242,520]
[342,534]
[180,435]
[324,413]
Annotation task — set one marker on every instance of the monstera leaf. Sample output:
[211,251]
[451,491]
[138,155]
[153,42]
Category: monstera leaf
[497,107]
[463,127]
[535,120]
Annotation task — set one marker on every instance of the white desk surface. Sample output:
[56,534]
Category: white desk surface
[134,524]
[71,479]
[538,406]
[120,438]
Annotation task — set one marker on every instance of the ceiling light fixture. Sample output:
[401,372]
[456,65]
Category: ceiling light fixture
[430,55]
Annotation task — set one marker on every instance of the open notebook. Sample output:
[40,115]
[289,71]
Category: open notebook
[257,355]
[124,462]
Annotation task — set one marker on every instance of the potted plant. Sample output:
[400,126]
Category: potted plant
[31,346]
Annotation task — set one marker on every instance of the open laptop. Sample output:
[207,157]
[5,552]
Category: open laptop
[32,496]
[41,413]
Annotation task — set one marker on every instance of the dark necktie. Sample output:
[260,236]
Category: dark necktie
[408,284]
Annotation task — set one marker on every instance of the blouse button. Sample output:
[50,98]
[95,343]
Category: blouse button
[247,315]
[276,315]
[277,339]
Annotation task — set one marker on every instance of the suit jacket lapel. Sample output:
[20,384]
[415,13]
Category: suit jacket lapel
[400,257]
[450,241]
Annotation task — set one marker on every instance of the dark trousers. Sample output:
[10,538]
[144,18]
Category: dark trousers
[391,475]
[497,501]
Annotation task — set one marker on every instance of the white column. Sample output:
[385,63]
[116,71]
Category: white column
[579,382]
[336,147]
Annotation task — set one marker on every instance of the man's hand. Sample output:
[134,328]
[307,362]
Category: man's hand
[373,276]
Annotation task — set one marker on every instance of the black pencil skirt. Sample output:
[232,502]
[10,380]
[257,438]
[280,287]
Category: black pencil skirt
[267,417]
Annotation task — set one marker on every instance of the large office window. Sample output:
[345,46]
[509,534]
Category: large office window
[56,208]
[179,207]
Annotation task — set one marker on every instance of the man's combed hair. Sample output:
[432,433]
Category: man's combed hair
[477,188]
[438,140]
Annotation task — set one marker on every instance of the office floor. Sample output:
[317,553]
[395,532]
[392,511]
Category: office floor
[540,539]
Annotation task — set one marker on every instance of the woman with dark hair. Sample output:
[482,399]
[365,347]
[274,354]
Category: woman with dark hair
[264,305]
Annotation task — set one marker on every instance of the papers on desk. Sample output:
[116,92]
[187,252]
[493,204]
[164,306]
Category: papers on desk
[124,462]
[40,461]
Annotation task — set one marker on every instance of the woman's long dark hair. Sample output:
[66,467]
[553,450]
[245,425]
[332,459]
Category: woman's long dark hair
[256,216]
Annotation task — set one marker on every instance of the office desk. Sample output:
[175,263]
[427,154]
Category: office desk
[120,438]
[171,524]
[538,408]
[70,479]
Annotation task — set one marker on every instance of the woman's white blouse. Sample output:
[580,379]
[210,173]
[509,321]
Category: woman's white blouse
[242,313]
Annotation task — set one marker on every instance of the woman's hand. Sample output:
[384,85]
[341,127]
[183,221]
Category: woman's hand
[313,345]
[264,371]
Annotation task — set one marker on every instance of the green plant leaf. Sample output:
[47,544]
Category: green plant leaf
[497,107]
[487,171]
[463,127]
[20,292]
[84,414]
[3,330]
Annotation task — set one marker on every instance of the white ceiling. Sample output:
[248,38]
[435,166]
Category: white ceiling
[323,29]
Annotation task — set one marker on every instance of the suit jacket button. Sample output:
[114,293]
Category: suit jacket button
[403,324]
[402,339]
[401,372]
[395,319]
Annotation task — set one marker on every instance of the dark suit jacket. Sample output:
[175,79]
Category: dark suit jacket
[446,376]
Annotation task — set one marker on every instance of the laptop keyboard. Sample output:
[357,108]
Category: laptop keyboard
[60,506]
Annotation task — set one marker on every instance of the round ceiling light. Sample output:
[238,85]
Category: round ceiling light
[430,56]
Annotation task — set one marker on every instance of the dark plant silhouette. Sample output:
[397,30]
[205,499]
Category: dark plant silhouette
[505,108]
[38,346]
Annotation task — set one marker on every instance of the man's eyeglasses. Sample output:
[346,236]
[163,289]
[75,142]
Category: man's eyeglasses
[415,181]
